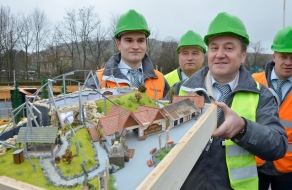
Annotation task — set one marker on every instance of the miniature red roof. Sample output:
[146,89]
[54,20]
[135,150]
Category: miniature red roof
[123,113]
[199,101]
[153,113]
[115,120]
[141,116]
[109,124]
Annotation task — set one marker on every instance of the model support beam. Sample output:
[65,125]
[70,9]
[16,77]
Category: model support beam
[181,159]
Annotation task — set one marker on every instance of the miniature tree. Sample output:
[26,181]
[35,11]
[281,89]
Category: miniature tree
[45,92]
[138,96]
[16,101]
[171,94]
[142,88]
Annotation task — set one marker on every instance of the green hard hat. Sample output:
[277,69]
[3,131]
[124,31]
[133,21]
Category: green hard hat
[225,23]
[283,41]
[131,21]
[191,39]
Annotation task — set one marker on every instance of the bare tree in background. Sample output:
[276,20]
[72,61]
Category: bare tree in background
[10,32]
[41,26]
[88,23]
[113,22]
[168,58]
[3,25]
[98,46]
[154,46]
[70,36]
[57,58]
[26,39]
[255,56]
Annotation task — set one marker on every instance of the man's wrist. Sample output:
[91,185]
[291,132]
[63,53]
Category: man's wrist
[241,133]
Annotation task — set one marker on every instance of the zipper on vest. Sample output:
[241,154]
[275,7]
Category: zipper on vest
[209,144]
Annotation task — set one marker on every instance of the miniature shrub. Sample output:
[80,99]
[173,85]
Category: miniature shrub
[99,110]
[19,173]
[80,144]
[68,171]
[129,105]
[89,161]
[2,161]
[119,102]
[132,98]
[112,181]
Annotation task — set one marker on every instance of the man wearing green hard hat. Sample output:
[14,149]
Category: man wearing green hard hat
[191,54]
[278,78]
[132,66]
[247,120]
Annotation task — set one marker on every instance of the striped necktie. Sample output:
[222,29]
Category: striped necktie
[135,73]
[225,90]
[280,83]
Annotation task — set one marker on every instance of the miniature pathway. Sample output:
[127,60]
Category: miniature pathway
[54,175]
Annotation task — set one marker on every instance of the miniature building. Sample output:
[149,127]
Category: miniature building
[116,154]
[199,101]
[180,112]
[148,120]
[151,120]
[117,120]
[44,137]
[18,156]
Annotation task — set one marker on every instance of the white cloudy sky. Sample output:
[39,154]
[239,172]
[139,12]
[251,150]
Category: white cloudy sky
[262,18]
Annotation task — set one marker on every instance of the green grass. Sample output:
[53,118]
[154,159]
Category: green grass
[112,181]
[24,171]
[163,153]
[75,166]
[127,101]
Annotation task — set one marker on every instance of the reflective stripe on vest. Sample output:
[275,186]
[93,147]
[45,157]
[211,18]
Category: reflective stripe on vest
[155,86]
[284,164]
[172,77]
[241,164]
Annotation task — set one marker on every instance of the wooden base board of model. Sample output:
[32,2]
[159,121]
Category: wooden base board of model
[7,183]
[172,171]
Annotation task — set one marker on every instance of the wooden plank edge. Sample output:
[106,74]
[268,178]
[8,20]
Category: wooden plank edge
[7,183]
[172,171]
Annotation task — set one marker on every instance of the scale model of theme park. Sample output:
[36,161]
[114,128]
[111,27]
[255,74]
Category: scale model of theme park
[78,140]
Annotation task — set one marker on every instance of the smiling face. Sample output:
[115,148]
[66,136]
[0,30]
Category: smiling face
[225,56]
[133,46]
[283,64]
[190,59]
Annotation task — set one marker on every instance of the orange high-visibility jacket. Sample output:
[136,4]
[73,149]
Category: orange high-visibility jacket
[152,84]
[284,164]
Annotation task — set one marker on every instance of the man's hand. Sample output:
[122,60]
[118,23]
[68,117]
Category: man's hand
[232,125]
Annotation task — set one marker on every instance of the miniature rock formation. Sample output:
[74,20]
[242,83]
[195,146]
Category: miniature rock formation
[2,150]
[68,157]
[92,115]
[54,117]
[11,141]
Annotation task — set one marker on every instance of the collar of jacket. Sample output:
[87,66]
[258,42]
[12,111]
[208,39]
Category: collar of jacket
[245,81]
[113,62]
[268,71]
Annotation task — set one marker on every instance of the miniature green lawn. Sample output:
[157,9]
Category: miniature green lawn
[127,101]
[75,166]
[24,171]
[162,154]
